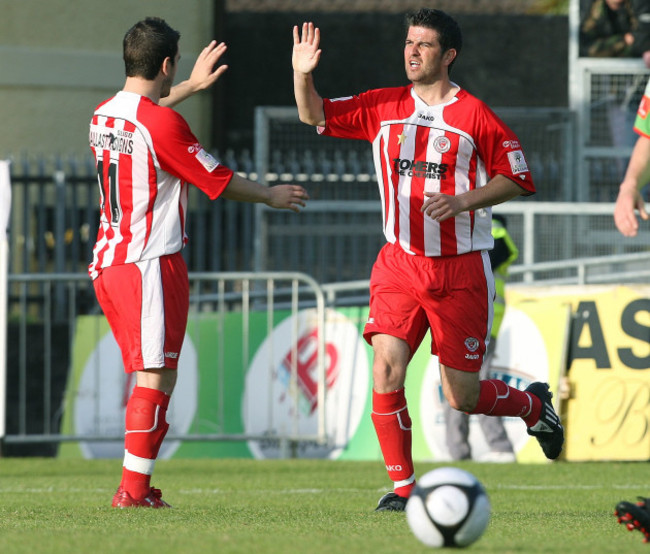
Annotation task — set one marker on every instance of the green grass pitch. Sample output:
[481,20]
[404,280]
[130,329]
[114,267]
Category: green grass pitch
[303,506]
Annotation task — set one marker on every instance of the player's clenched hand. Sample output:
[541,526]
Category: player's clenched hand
[626,222]
[440,206]
[287,197]
[204,74]
[306,52]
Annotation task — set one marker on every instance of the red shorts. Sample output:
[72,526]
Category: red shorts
[146,304]
[451,295]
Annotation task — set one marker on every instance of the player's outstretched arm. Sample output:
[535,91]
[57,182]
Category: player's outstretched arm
[305,58]
[203,76]
[281,197]
[629,195]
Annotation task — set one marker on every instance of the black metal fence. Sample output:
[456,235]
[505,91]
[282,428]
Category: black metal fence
[55,217]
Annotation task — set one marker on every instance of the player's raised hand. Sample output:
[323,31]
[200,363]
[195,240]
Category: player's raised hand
[287,197]
[204,73]
[306,51]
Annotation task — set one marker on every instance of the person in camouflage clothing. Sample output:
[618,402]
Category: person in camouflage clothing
[612,29]
[618,29]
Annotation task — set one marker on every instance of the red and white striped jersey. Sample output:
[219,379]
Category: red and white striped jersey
[146,155]
[449,148]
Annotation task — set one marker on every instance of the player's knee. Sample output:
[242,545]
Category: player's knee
[462,401]
[387,378]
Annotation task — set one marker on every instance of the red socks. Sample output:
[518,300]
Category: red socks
[146,428]
[498,399]
[393,426]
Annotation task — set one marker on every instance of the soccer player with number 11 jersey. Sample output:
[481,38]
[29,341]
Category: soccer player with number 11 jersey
[146,156]
[442,159]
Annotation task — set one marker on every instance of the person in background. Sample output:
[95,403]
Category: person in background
[635,515]
[611,29]
[146,156]
[637,174]
[504,253]
[442,159]
[618,29]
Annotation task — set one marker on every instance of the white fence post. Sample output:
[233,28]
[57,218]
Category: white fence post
[5,210]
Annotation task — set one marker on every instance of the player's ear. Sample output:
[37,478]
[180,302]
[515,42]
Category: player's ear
[449,56]
[167,65]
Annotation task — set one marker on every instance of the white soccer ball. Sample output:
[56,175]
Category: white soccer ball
[448,507]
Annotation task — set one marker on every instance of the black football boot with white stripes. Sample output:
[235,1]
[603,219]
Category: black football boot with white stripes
[548,430]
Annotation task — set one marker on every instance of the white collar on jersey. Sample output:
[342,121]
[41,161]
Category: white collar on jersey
[422,105]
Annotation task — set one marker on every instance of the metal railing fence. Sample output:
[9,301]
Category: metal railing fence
[617,269]
[55,216]
[40,378]
[338,241]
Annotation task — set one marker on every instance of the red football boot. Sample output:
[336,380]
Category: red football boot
[123,499]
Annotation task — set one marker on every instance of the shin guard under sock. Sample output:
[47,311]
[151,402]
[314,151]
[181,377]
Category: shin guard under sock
[393,427]
[498,399]
[146,427]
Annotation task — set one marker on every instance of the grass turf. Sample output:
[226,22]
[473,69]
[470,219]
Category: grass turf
[303,506]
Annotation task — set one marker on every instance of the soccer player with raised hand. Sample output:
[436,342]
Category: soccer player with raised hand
[442,159]
[146,156]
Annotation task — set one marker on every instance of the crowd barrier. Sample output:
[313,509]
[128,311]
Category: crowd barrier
[66,381]
[274,365]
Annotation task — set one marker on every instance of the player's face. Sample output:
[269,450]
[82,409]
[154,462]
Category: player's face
[168,81]
[423,57]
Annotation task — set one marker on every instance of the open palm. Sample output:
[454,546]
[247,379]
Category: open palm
[306,52]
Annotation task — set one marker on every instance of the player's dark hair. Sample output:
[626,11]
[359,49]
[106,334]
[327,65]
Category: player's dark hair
[448,30]
[146,45]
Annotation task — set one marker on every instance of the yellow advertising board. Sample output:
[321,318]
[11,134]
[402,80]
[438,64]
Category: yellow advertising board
[607,393]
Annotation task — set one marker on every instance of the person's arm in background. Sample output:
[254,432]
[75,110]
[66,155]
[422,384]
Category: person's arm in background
[629,193]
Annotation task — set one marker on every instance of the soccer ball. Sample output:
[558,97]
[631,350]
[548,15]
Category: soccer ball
[448,507]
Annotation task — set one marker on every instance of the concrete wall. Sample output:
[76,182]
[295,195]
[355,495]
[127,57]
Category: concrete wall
[60,58]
